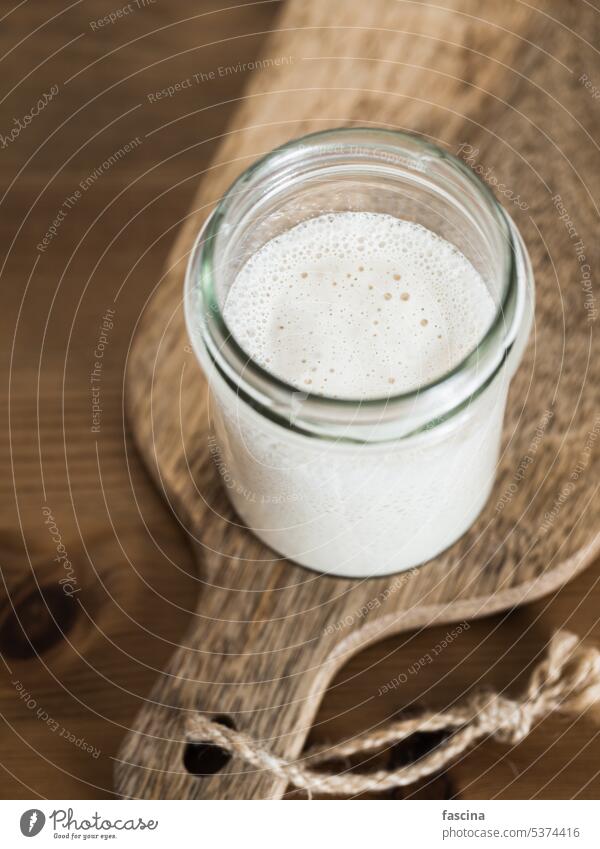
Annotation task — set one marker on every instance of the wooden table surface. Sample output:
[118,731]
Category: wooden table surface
[104,173]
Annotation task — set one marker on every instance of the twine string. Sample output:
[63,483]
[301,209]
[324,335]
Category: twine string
[567,681]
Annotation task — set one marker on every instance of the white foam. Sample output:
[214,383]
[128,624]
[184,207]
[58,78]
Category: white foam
[358,305]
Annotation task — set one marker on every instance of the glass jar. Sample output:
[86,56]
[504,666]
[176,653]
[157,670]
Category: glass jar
[359,488]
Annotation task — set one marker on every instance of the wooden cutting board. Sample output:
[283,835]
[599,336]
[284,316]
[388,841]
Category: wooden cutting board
[503,81]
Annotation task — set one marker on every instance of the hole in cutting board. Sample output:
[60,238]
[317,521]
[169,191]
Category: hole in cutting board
[38,621]
[204,759]
[437,786]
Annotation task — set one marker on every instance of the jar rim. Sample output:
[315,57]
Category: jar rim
[394,415]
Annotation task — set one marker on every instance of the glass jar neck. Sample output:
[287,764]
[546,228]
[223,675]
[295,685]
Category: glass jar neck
[355,170]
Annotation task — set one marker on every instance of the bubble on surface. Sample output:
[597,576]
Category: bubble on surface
[349,264]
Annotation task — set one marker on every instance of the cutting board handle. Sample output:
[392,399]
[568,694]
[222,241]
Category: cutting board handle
[255,657]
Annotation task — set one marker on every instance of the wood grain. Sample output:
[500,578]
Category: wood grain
[95,677]
[138,590]
[259,649]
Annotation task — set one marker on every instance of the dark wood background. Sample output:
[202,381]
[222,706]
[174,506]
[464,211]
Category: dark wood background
[74,675]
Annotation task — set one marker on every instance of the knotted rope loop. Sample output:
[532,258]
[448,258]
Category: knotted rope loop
[566,681]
